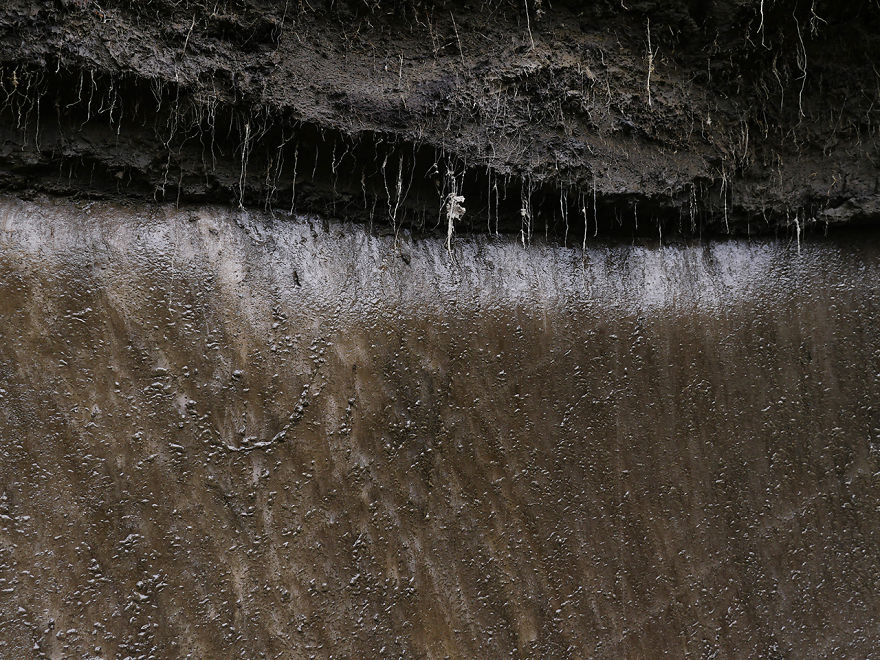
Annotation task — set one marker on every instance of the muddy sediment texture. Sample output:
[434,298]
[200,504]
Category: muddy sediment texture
[746,117]
[228,436]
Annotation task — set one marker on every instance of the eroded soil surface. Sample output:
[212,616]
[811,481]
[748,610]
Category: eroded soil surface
[708,117]
[223,435]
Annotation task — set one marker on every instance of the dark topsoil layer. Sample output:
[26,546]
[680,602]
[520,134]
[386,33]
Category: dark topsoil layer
[745,117]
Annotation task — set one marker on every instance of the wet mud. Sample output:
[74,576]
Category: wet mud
[223,435]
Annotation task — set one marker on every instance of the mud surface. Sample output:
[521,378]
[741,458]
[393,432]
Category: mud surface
[227,436]
[701,117]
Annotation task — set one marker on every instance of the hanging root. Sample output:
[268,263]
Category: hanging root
[563,207]
[293,179]
[595,211]
[802,65]
[650,65]
[724,186]
[761,24]
[529,24]
[586,223]
[397,192]
[526,211]
[245,153]
[455,210]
